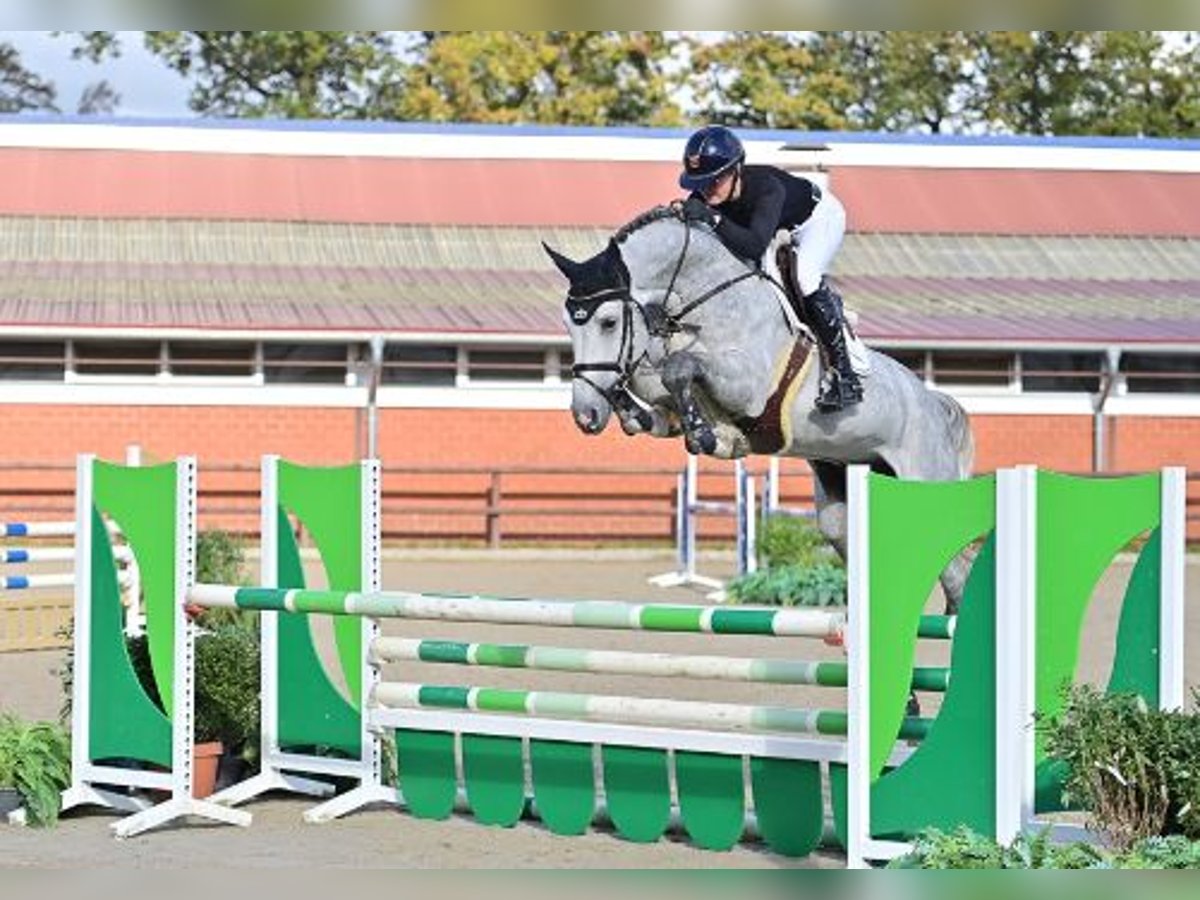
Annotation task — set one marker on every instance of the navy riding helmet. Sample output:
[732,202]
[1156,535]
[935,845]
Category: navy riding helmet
[710,152]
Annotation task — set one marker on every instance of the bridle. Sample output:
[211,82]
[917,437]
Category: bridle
[581,308]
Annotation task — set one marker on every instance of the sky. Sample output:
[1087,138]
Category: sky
[147,87]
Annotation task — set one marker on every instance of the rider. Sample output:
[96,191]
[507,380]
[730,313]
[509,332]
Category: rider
[747,204]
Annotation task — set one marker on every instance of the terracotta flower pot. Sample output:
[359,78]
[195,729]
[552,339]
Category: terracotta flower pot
[205,758]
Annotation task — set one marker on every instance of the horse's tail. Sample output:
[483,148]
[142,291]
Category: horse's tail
[958,427]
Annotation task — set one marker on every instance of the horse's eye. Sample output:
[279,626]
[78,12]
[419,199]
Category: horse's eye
[608,323]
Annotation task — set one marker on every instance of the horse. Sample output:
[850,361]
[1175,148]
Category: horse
[676,334]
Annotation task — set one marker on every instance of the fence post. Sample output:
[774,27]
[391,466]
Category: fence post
[493,511]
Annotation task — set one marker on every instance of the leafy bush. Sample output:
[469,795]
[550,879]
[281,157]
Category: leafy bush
[788,541]
[1137,770]
[35,758]
[221,559]
[798,567]
[965,849]
[227,683]
[822,584]
[228,687]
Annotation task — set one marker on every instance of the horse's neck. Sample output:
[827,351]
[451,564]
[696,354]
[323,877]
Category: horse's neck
[655,252]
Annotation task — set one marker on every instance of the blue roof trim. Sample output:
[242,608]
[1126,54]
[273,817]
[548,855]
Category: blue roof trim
[750,134]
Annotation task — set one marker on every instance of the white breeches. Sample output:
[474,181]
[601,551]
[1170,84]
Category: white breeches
[817,241]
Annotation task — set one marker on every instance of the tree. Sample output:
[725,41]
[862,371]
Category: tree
[550,77]
[770,79]
[558,77]
[20,89]
[1140,87]
[284,74]
[98,99]
[906,81]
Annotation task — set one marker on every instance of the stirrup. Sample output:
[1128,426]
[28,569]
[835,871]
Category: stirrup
[837,392]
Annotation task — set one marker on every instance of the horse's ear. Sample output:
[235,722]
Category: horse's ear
[568,267]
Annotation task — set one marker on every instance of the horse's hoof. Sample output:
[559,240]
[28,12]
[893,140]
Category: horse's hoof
[701,441]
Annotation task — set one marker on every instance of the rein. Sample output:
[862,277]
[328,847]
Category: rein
[582,307]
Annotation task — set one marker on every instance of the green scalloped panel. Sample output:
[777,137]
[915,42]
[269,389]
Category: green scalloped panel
[564,785]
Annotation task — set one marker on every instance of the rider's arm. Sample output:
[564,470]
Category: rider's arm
[751,242]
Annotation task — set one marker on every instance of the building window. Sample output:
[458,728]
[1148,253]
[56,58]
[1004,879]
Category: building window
[209,359]
[131,358]
[1161,373]
[1064,372]
[967,368]
[304,363]
[506,365]
[33,360]
[420,365]
[914,360]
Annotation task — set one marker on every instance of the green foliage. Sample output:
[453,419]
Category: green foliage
[965,849]
[21,89]
[1137,770]
[227,688]
[797,568]
[221,559]
[35,758]
[227,680]
[1015,82]
[551,77]
[823,584]
[788,541]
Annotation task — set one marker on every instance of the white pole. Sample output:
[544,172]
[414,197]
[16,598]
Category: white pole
[1014,598]
[81,691]
[858,732]
[269,622]
[1171,610]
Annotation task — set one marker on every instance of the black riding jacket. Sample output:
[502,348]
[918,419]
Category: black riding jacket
[770,199]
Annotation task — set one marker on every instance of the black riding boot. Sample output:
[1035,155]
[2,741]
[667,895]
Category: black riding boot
[840,386]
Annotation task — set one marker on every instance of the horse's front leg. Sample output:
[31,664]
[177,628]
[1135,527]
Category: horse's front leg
[652,419]
[680,373]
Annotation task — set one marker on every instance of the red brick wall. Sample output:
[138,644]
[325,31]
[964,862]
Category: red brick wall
[590,505]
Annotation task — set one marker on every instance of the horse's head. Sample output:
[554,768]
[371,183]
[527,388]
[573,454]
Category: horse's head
[608,333]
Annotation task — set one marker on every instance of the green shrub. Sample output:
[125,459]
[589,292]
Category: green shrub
[227,683]
[965,849]
[221,559]
[35,758]
[788,541]
[228,687]
[822,584]
[1135,769]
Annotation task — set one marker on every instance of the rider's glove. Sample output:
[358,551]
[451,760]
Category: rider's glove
[696,210]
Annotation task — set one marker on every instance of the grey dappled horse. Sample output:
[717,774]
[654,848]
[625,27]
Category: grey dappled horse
[676,334]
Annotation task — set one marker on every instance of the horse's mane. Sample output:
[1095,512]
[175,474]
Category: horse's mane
[654,214]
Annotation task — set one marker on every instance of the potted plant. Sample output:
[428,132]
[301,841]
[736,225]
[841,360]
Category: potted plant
[227,702]
[35,766]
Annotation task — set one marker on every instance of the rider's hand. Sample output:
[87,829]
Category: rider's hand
[656,318]
[696,210]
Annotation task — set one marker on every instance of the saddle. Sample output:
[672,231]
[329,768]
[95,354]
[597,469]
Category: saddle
[785,264]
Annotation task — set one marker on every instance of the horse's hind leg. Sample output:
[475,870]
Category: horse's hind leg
[829,496]
[680,373]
